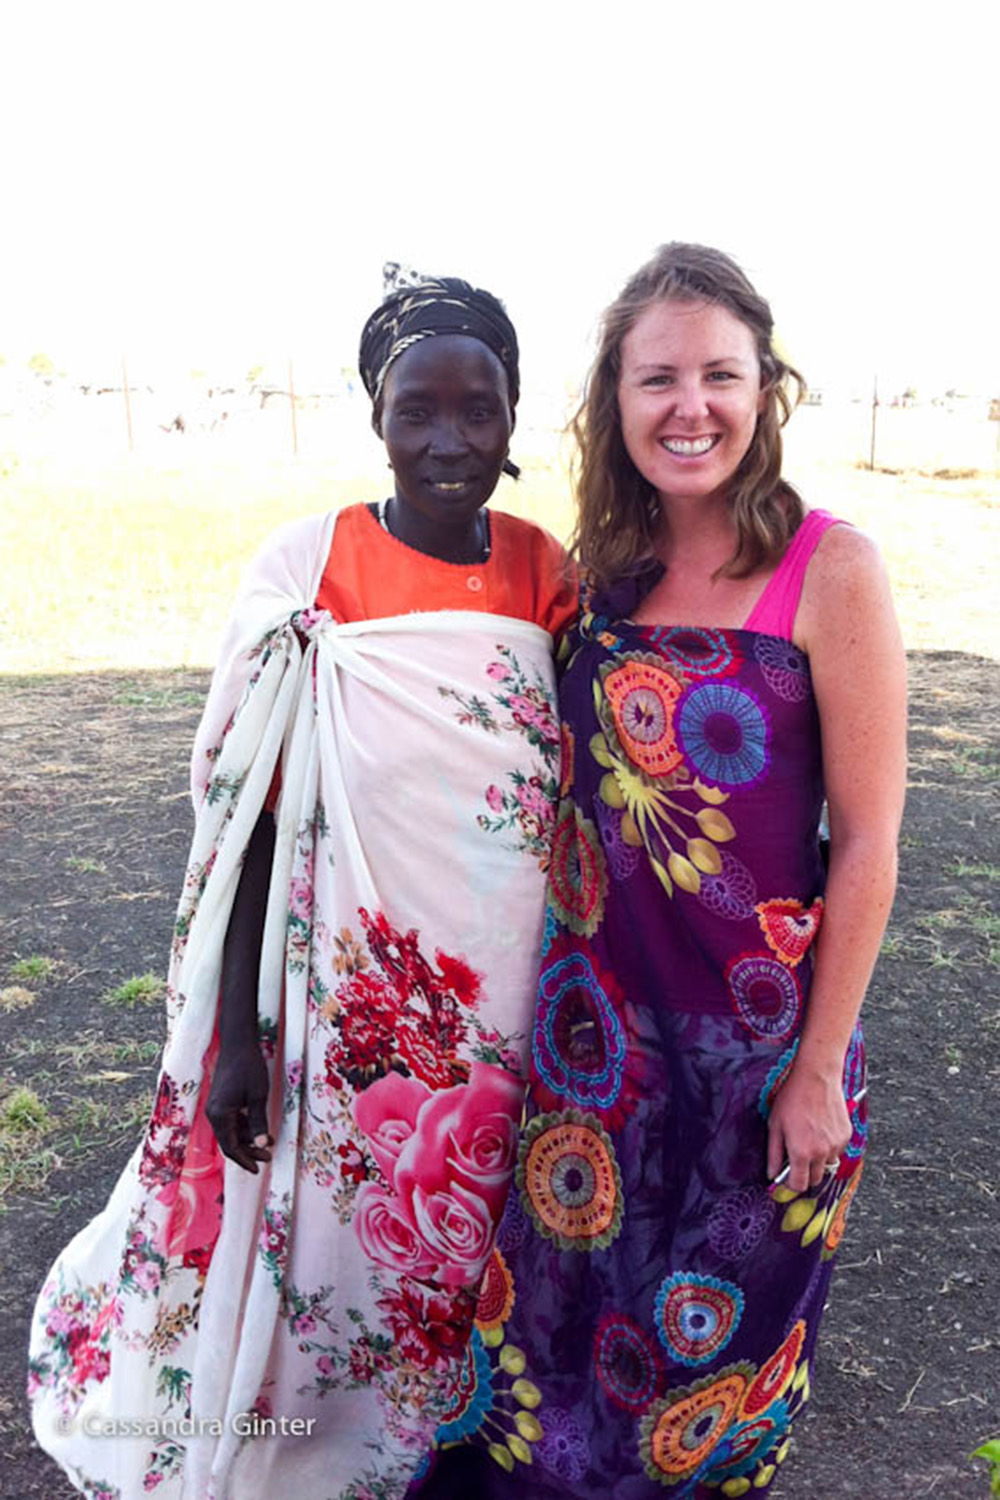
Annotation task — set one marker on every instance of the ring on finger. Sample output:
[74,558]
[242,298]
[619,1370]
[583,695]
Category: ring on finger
[831,1167]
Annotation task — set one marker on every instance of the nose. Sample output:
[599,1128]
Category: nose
[690,399]
[447,439]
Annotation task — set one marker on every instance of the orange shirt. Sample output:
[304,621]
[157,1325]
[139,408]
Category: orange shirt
[370,574]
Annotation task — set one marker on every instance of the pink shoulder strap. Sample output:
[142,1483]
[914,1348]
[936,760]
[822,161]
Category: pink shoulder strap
[775,610]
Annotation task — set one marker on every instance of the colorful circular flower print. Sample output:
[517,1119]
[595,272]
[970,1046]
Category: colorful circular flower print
[774,1377]
[626,1362]
[749,1443]
[789,928]
[698,653]
[784,668]
[642,698]
[724,733]
[765,995]
[564,1448]
[496,1294]
[739,1222]
[731,892]
[696,1316]
[578,874]
[838,1223]
[854,1082]
[680,1431]
[774,1080]
[569,1180]
[578,1043]
[550,931]
[472,1396]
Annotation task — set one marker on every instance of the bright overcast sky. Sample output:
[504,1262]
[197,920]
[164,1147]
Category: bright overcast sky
[200,181]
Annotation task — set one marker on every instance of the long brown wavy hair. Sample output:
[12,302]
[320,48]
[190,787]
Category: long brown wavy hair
[618,512]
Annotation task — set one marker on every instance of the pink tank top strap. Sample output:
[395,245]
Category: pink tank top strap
[775,610]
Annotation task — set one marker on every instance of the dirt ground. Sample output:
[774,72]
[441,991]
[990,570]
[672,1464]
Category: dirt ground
[94,825]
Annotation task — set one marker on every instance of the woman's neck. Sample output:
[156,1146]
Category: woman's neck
[696,534]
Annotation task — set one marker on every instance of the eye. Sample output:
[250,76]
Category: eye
[720,376]
[657,381]
[412,414]
[482,413]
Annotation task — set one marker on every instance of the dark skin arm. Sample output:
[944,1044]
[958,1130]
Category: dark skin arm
[237,1100]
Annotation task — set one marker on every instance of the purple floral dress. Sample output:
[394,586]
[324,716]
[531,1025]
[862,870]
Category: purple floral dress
[650,1313]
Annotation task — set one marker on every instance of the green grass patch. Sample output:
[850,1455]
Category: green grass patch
[137,1052]
[25,1160]
[985,922]
[981,762]
[86,866]
[134,695]
[23,1113]
[970,870]
[35,966]
[141,989]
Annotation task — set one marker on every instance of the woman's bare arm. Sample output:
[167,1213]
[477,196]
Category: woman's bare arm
[848,627]
[237,1101]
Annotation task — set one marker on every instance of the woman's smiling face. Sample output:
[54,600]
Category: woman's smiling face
[689,395]
[446,422]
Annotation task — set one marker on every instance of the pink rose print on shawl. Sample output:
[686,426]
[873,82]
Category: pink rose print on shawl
[387,1113]
[447,1157]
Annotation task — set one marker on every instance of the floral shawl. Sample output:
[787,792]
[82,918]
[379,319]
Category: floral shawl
[215,1335]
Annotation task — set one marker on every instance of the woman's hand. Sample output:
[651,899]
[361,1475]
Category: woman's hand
[237,1104]
[809,1127]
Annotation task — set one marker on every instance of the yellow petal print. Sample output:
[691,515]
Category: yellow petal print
[709,793]
[683,872]
[599,750]
[630,833]
[503,1456]
[526,1393]
[704,856]
[814,1227]
[798,1214]
[528,1426]
[610,792]
[715,825]
[519,1447]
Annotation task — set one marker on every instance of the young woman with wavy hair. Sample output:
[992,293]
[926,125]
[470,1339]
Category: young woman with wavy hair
[697,1109]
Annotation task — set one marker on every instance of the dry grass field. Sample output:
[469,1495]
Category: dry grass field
[132,561]
[117,576]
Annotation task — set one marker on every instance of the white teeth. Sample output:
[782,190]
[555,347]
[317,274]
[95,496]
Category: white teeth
[688,447]
[459,485]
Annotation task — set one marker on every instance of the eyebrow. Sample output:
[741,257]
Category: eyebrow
[410,391]
[710,364]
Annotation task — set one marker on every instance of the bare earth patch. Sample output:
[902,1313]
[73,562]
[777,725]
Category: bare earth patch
[95,823]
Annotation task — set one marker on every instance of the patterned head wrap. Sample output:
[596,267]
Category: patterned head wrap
[418,307]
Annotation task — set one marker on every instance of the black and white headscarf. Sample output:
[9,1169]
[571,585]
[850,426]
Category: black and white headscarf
[418,307]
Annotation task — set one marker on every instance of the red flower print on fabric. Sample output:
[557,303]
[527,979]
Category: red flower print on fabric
[642,698]
[789,928]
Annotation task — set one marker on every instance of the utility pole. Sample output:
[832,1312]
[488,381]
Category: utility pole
[291,397]
[871,456]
